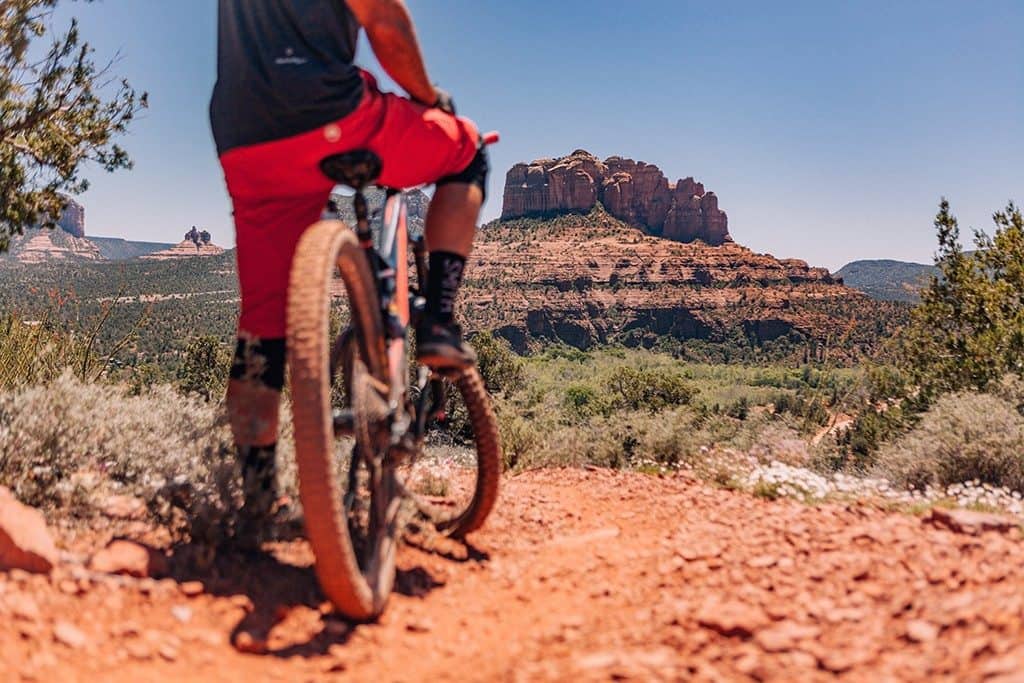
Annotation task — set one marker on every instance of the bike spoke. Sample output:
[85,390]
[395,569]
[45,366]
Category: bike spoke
[440,481]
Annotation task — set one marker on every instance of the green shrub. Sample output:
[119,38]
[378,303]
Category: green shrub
[968,331]
[583,401]
[499,365]
[964,436]
[787,403]
[642,389]
[205,367]
[519,439]
[739,410]
[145,375]
[1011,389]
[869,431]
[966,335]
[816,413]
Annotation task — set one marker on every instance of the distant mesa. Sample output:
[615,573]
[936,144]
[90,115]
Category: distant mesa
[72,218]
[65,242]
[195,243]
[591,279]
[889,280]
[68,242]
[39,245]
[120,249]
[634,192]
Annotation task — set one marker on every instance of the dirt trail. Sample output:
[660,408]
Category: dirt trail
[582,575]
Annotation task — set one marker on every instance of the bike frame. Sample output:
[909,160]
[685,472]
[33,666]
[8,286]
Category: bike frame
[394,281]
[400,307]
[388,258]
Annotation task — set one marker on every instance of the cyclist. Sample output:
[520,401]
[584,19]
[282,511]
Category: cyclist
[288,94]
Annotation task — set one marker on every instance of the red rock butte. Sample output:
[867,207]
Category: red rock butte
[634,192]
[72,220]
[184,249]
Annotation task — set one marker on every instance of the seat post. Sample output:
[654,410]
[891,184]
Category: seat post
[362,219]
[356,168]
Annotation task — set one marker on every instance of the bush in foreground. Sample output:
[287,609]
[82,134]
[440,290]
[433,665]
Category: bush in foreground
[963,437]
[67,445]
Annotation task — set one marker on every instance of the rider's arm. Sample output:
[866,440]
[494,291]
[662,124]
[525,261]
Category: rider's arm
[389,27]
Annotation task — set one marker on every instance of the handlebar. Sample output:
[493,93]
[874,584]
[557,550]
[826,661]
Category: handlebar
[491,138]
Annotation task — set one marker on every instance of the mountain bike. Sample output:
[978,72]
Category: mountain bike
[363,413]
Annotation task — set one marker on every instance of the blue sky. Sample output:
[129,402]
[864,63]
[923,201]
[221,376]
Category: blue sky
[829,130]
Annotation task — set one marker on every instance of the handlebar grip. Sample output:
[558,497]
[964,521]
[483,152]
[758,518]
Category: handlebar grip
[491,138]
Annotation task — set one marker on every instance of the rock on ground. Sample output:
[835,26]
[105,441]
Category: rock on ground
[129,558]
[972,522]
[25,540]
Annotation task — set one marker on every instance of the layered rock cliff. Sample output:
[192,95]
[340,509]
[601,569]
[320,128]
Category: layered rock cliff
[72,220]
[416,201]
[39,245]
[591,279]
[66,241]
[634,192]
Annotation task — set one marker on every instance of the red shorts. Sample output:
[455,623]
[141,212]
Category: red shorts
[278,190]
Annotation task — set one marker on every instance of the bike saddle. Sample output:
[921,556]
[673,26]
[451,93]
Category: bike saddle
[356,168]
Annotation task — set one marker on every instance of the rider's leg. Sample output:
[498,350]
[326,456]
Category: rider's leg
[253,401]
[268,231]
[451,224]
[452,216]
[419,145]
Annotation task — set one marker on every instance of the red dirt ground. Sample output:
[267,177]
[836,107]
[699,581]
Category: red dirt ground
[581,575]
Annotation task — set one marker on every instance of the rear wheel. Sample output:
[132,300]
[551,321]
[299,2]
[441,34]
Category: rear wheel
[454,480]
[349,498]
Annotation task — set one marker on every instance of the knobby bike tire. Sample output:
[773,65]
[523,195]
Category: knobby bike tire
[488,456]
[326,247]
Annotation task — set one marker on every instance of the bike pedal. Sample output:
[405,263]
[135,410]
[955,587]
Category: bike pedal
[344,422]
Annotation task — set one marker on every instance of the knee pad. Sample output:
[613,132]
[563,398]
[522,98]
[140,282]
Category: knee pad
[474,174]
[260,361]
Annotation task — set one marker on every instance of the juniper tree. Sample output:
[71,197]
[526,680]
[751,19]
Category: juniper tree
[968,331]
[59,109]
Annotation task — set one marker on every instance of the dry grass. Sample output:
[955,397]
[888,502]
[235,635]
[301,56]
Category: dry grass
[31,352]
[67,445]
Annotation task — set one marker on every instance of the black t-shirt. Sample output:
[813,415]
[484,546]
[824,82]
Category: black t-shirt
[284,67]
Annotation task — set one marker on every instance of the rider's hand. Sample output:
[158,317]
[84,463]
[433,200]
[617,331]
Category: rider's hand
[444,101]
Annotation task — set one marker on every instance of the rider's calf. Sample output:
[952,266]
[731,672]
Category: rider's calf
[254,390]
[254,397]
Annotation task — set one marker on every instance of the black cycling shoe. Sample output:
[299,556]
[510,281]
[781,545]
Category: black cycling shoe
[281,523]
[440,346]
[259,488]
